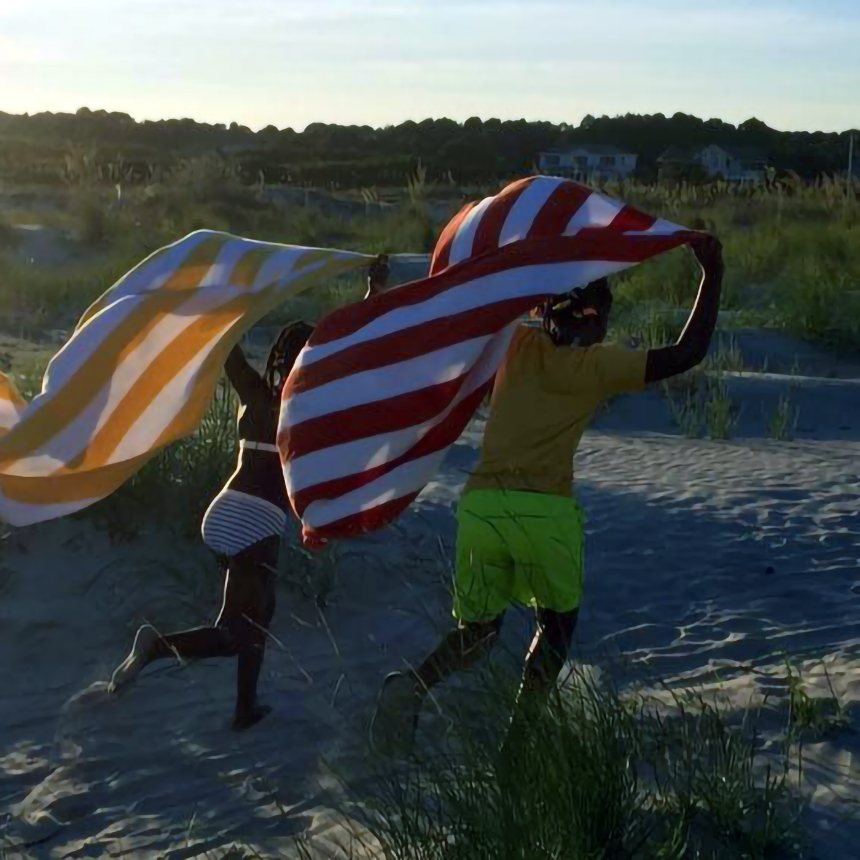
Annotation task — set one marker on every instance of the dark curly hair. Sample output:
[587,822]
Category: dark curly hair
[580,316]
[285,351]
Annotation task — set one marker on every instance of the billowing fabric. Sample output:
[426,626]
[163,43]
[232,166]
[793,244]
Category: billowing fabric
[381,391]
[141,368]
[384,387]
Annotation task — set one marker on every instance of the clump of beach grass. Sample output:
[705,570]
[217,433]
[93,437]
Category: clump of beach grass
[597,773]
[700,402]
[783,420]
[703,406]
[817,716]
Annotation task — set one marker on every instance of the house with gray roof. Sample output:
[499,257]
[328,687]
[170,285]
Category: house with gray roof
[583,162]
[732,163]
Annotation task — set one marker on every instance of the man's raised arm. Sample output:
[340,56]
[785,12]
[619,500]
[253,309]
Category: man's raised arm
[693,344]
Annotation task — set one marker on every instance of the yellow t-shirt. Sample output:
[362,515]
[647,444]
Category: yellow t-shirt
[543,400]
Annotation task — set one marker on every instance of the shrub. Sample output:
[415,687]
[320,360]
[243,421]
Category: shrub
[823,305]
[95,225]
[8,235]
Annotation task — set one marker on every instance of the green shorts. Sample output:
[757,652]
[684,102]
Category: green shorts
[517,548]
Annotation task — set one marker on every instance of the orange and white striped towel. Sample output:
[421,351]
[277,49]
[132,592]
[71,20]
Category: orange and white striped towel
[141,368]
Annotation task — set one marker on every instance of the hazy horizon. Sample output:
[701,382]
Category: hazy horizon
[789,63]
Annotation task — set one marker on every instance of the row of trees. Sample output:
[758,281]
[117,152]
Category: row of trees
[474,151]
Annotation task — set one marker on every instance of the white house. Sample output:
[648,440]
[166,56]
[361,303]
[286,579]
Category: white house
[732,163]
[588,161]
[737,164]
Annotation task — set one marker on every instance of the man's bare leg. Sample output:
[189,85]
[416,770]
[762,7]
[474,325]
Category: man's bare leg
[547,655]
[403,694]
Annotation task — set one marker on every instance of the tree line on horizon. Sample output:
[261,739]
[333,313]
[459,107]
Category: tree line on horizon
[331,155]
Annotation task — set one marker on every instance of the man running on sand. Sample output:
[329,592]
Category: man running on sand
[520,529]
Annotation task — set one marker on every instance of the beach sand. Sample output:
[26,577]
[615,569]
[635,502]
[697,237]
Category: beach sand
[706,562]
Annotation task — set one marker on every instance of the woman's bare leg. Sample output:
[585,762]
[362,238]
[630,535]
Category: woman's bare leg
[247,610]
[249,607]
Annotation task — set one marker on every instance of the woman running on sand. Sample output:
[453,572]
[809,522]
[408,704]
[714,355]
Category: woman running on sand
[519,528]
[243,526]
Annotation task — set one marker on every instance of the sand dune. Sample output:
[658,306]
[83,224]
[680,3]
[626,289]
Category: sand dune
[707,561]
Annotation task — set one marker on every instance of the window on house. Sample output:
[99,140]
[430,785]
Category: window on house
[551,160]
[581,160]
[607,160]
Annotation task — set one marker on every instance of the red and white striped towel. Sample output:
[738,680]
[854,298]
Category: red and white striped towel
[384,387]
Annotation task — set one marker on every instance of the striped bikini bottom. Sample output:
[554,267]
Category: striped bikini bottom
[234,521]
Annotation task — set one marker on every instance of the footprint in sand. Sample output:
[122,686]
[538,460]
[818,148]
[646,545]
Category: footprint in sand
[80,708]
[42,815]
[98,692]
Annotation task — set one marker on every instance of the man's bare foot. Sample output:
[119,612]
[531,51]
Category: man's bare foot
[245,721]
[395,721]
[145,644]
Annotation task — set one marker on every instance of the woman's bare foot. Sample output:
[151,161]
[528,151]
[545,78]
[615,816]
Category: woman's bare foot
[241,722]
[143,650]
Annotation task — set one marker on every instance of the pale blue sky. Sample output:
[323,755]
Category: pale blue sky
[793,63]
